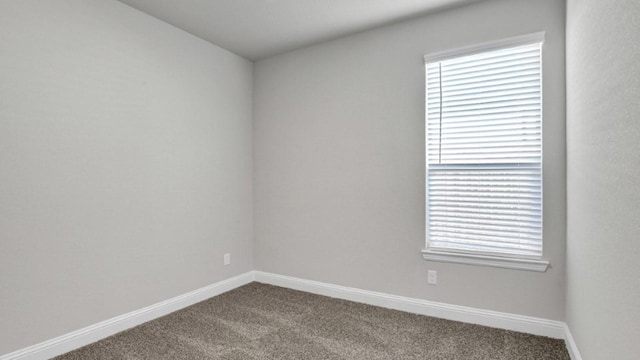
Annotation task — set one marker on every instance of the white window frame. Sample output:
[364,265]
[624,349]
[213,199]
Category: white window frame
[509,262]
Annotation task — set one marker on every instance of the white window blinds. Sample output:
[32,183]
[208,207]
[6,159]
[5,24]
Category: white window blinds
[484,153]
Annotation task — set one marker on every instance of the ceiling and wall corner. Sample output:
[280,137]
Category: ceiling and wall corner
[256,29]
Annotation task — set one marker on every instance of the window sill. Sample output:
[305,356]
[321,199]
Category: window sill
[486,260]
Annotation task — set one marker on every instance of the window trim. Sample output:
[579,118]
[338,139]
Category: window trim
[486,260]
[507,261]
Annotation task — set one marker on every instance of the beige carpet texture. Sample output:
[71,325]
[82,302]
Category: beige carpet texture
[259,321]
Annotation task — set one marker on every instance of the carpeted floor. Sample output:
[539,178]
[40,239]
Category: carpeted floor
[260,321]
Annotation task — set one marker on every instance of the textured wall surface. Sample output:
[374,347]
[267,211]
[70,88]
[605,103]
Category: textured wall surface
[603,177]
[125,165]
[339,160]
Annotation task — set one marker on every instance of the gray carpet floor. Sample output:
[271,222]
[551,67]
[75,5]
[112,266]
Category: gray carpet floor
[259,321]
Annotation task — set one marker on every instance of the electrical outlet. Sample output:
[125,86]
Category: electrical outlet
[432,277]
[227,259]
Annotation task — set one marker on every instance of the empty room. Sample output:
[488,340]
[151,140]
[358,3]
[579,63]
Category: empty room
[306,179]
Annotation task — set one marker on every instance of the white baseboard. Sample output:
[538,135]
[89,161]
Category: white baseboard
[93,333]
[572,348]
[521,323]
[101,330]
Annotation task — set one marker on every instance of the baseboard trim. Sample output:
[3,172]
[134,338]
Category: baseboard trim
[521,323]
[101,330]
[572,348]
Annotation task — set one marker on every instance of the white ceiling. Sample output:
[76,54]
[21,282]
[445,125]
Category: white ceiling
[256,29]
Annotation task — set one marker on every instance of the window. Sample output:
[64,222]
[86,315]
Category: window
[484,155]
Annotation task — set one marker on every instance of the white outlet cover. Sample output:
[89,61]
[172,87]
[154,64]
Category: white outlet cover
[227,259]
[432,277]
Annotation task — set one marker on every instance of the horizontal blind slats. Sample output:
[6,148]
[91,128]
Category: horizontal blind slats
[510,214]
[485,207]
[525,94]
[499,240]
[495,241]
[512,101]
[511,71]
[486,75]
[530,222]
[434,123]
[486,91]
[492,169]
[506,108]
[484,152]
[480,67]
[485,248]
[487,147]
[476,58]
[479,86]
[534,130]
[523,231]
[506,115]
[434,140]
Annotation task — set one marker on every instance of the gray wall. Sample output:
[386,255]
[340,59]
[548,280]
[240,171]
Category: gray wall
[603,177]
[125,164]
[339,160]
